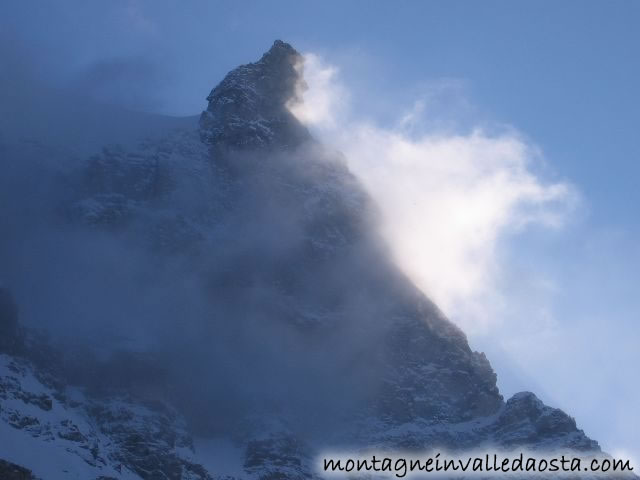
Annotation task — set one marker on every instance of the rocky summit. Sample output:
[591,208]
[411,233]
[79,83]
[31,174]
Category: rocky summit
[248,109]
[221,306]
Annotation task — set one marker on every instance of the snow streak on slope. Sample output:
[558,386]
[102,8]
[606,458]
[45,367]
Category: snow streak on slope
[55,440]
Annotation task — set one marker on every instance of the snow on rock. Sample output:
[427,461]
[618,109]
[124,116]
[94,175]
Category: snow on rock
[248,108]
[63,434]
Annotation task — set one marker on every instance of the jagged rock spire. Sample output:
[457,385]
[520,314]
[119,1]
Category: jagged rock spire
[248,109]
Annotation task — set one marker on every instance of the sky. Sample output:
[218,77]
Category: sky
[504,146]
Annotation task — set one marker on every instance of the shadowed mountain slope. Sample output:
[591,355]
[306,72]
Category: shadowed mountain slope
[224,289]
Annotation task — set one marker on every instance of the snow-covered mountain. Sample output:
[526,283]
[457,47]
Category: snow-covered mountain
[221,306]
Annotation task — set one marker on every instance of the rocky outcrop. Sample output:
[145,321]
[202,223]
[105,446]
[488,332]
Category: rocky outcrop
[526,421]
[112,436]
[248,108]
[11,471]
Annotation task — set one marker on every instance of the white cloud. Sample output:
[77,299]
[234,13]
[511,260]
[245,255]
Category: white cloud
[325,98]
[452,203]
[447,199]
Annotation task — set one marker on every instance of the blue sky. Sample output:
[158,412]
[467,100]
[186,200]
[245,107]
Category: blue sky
[559,77]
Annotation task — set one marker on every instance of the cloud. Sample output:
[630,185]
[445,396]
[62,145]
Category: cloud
[448,199]
[131,82]
[324,96]
[463,208]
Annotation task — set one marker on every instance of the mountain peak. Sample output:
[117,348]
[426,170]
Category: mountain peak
[248,109]
[280,51]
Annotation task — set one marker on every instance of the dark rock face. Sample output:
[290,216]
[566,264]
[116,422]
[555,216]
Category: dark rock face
[147,442]
[10,471]
[248,111]
[525,420]
[248,108]
[277,457]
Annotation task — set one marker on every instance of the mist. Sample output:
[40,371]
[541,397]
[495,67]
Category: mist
[175,295]
[215,287]
[448,198]
[475,214]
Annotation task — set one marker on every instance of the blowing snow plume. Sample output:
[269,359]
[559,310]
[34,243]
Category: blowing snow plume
[448,199]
